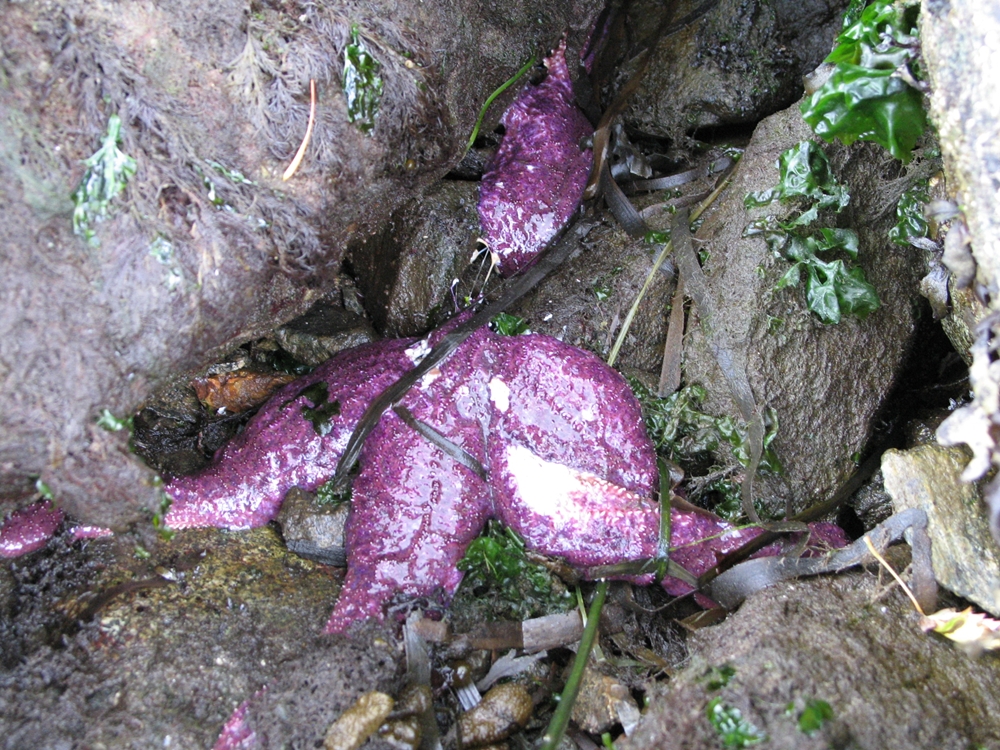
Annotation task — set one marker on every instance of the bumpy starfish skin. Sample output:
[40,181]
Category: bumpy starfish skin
[570,468]
[29,529]
[280,449]
[415,509]
[538,174]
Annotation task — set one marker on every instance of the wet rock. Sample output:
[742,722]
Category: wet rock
[359,722]
[136,651]
[585,300]
[960,324]
[405,273]
[960,52]
[505,709]
[826,382]
[311,530]
[829,639]
[742,61]
[174,434]
[206,246]
[959,44]
[872,503]
[602,702]
[965,557]
[322,332]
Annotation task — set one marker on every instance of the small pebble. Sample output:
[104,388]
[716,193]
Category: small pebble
[359,722]
[504,710]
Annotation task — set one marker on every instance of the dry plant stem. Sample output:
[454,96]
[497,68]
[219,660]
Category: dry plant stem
[294,166]
[668,248]
[893,573]
[670,372]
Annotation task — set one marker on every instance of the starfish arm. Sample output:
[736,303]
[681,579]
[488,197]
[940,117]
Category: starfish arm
[566,513]
[414,511]
[281,448]
[29,529]
[570,407]
[538,175]
[415,508]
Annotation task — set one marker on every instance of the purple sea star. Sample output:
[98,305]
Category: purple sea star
[570,467]
[28,529]
[538,174]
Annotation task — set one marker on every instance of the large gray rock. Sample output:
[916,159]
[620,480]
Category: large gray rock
[826,382]
[405,272]
[841,640]
[962,52]
[961,47]
[965,557]
[742,61]
[207,246]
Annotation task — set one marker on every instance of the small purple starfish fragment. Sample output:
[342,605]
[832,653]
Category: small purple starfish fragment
[538,174]
[29,529]
[569,464]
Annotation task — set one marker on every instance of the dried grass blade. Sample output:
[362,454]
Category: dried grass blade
[294,166]
[670,371]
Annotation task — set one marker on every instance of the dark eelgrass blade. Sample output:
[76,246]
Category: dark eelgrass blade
[736,584]
[560,719]
[456,452]
[663,543]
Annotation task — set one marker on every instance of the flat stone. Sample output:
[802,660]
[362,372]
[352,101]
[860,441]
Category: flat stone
[314,531]
[322,332]
[966,560]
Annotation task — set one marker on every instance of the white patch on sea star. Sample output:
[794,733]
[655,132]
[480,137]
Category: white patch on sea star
[545,488]
[416,352]
[500,394]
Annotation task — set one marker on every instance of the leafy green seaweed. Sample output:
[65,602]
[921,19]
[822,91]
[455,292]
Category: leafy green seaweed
[910,221]
[718,677]
[865,97]
[833,289]
[327,494]
[685,434]
[108,171]
[362,83]
[814,716]
[508,325]
[322,409]
[111,423]
[804,175]
[733,729]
